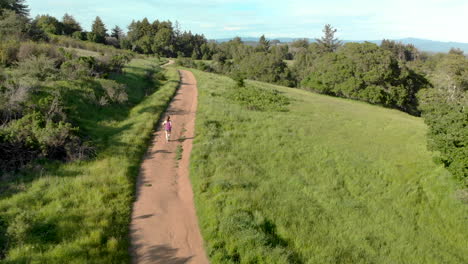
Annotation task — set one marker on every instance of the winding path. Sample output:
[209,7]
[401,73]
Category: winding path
[164,226]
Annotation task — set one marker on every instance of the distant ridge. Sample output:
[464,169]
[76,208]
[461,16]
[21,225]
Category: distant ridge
[421,44]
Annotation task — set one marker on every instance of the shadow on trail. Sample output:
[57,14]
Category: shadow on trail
[163,254]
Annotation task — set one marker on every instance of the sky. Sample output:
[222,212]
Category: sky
[441,20]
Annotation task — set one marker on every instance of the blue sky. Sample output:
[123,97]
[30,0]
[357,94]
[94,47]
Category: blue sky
[443,20]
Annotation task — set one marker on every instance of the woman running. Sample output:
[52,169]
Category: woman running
[167,127]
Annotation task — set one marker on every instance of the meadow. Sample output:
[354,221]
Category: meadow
[327,180]
[79,212]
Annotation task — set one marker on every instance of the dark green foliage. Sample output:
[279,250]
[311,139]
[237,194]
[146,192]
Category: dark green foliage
[8,51]
[401,51]
[117,32]
[186,62]
[263,45]
[448,129]
[17,27]
[265,67]
[163,39]
[234,58]
[444,109]
[258,99]
[13,25]
[76,69]
[239,78]
[99,31]
[368,73]
[79,35]
[39,67]
[305,60]
[70,25]
[49,24]
[18,6]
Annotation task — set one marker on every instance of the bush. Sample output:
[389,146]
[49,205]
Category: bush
[39,67]
[203,66]
[30,49]
[185,62]
[79,35]
[8,51]
[111,41]
[115,92]
[259,99]
[265,67]
[447,120]
[75,69]
[368,73]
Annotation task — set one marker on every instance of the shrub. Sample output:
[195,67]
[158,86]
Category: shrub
[186,62]
[265,67]
[20,227]
[203,66]
[117,62]
[8,51]
[115,92]
[76,69]
[366,72]
[39,67]
[30,49]
[112,41]
[447,120]
[79,35]
[259,99]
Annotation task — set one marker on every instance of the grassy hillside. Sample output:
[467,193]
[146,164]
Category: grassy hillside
[329,181]
[79,212]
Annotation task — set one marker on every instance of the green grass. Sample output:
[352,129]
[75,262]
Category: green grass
[329,181]
[83,52]
[290,63]
[80,212]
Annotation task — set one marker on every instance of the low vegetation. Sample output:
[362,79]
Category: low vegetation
[328,181]
[78,212]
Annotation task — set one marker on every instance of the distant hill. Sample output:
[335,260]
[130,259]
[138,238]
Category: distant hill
[421,44]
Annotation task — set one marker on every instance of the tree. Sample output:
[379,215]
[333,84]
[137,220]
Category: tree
[12,25]
[366,72]
[117,32]
[401,51]
[264,67]
[456,51]
[263,44]
[99,29]
[18,6]
[447,120]
[162,42]
[70,25]
[328,43]
[49,24]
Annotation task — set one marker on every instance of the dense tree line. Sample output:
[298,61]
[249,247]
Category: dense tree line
[366,72]
[263,62]
[159,37]
[445,109]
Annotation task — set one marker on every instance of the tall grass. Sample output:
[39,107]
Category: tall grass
[329,181]
[79,212]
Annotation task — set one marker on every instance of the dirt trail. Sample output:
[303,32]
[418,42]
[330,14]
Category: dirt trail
[164,227]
